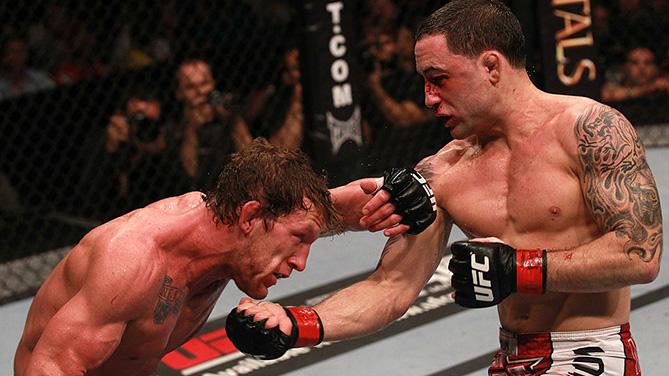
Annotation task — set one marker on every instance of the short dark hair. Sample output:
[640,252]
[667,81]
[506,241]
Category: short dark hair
[276,177]
[473,26]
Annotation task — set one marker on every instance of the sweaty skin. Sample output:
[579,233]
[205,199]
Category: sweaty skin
[140,285]
[533,169]
[507,192]
[127,283]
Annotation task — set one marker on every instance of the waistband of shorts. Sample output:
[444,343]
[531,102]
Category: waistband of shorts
[514,343]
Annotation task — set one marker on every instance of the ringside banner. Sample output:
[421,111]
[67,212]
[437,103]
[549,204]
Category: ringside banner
[569,53]
[332,94]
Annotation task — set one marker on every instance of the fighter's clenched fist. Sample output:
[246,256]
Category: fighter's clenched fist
[485,273]
[267,330]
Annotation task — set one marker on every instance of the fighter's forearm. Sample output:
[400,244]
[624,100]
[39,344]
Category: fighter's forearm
[348,201]
[361,309]
[600,265]
[405,266]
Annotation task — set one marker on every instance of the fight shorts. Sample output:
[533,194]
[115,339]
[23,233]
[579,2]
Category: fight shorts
[608,351]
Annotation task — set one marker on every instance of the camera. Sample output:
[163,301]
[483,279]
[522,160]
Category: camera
[143,128]
[368,60]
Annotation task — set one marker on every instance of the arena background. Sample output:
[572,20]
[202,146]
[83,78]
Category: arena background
[81,61]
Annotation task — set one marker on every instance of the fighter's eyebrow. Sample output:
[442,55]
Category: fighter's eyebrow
[432,71]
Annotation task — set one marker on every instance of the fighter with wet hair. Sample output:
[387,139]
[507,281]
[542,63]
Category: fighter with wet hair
[554,192]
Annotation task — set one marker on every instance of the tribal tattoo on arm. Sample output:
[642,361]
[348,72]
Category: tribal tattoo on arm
[170,300]
[618,184]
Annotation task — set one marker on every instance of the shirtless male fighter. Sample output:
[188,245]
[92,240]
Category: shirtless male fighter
[556,189]
[139,286]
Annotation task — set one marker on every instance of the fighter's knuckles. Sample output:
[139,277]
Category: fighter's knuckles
[245,300]
[285,325]
[460,250]
[271,322]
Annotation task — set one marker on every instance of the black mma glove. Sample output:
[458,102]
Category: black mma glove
[486,273]
[412,197]
[252,338]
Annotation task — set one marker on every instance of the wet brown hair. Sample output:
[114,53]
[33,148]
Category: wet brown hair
[276,177]
[473,26]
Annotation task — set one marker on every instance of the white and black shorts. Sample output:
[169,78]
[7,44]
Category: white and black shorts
[608,351]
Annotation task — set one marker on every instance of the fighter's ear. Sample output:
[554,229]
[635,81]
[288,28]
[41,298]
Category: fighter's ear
[491,62]
[249,215]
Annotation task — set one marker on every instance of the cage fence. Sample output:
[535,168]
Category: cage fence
[97,99]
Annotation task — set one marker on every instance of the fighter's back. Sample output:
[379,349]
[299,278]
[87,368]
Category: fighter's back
[129,239]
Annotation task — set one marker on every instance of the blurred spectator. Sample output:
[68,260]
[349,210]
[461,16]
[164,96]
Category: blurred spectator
[280,117]
[210,125]
[639,91]
[640,77]
[144,41]
[83,60]
[134,161]
[16,77]
[397,92]
[394,109]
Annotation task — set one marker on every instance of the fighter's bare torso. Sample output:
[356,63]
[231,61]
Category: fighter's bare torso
[176,306]
[525,190]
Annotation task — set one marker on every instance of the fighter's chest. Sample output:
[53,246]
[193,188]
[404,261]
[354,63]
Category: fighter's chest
[166,327]
[500,194]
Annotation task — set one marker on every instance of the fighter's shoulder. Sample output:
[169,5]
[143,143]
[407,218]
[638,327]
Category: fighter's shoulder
[448,156]
[572,112]
[125,272]
[177,203]
[575,109]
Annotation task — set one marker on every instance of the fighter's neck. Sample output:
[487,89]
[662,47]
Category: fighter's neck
[200,246]
[521,110]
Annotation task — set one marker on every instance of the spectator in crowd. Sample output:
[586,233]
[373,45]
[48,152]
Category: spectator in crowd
[640,77]
[640,91]
[135,161]
[83,60]
[280,115]
[210,127]
[16,76]
[394,108]
[142,42]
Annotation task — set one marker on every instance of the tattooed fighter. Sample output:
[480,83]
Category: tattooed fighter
[553,191]
[139,286]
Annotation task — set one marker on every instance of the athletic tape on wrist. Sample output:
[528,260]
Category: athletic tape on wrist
[309,326]
[531,271]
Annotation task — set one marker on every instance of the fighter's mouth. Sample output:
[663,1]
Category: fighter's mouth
[279,275]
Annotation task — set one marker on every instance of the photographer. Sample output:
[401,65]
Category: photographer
[210,126]
[394,100]
[134,162]
[277,113]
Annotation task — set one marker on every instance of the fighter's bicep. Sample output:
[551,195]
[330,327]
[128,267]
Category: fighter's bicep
[617,183]
[78,337]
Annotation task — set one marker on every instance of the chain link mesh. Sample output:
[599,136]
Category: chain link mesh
[99,102]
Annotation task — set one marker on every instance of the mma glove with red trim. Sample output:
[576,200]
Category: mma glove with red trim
[486,273]
[253,339]
[412,197]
